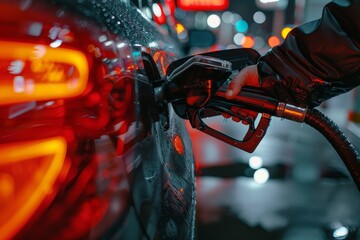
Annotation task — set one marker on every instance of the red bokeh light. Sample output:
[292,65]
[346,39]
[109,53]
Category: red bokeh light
[203,5]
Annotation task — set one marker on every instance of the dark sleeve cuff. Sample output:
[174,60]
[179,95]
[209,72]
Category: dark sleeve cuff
[273,84]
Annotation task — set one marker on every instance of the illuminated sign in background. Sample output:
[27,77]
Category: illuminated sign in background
[203,5]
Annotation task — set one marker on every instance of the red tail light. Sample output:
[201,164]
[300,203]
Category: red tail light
[26,178]
[40,72]
[66,105]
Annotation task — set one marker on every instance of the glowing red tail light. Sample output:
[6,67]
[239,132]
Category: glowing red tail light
[39,72]
[26,178]
[66,104]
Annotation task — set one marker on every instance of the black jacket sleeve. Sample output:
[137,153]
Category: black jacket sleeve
[318,60]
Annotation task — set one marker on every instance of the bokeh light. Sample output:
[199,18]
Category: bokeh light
[227,17]
[238,38]
[200,20]
[259,17]
[213,21]
[341,233]
[273,41]
[261,176]
[285,31]
[248,42]
[159,15]
[156,10]
[255,162]
[241,26]
[181,31]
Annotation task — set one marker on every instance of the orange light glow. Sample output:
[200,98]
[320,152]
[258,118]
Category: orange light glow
[160,59]
[248,42]
[273,41]
[178,144]
[179,28]
[285,31]
[38,72]
[28,171]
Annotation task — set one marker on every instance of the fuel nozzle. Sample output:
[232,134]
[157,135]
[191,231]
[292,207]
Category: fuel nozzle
[193,90]
[257,100]
[193,80]
[196,87]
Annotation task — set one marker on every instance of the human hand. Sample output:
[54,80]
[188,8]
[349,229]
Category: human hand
[247,76]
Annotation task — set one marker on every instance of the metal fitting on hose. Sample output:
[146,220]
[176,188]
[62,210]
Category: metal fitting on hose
[291,112]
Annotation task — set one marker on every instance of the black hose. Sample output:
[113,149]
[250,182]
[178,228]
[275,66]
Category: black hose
[338,140]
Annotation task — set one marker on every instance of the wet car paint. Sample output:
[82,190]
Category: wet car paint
[126,177]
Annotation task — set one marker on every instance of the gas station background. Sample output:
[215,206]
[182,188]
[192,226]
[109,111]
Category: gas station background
[258,24]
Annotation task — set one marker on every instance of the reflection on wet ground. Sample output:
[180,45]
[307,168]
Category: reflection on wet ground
[293,187]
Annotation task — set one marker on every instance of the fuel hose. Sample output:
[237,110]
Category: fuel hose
[338,140]
[258,101]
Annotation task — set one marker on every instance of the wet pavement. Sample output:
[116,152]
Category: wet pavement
[295,187]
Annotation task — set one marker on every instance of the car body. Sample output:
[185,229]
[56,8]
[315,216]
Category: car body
[87,152]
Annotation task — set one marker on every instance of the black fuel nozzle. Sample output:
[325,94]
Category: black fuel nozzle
[193,80]
[196,88]
[193,90]
[257,100]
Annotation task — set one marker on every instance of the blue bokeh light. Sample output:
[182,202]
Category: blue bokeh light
[241,26]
